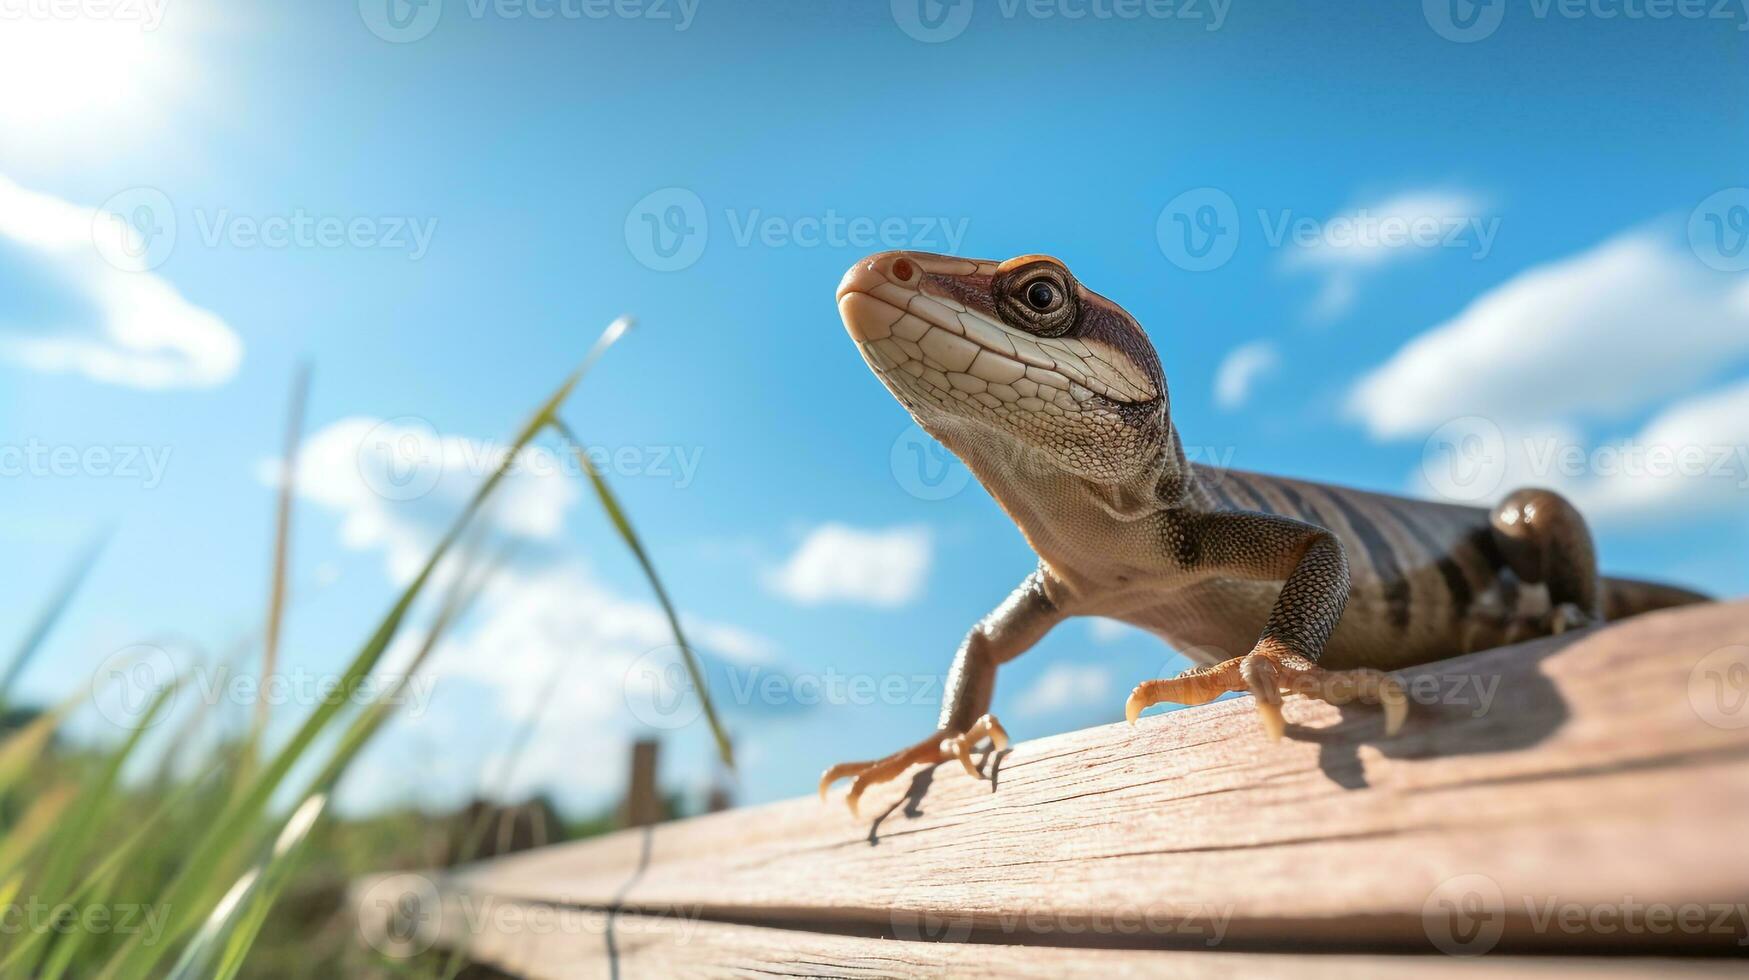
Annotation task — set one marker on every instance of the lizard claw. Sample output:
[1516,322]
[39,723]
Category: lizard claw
[1138,699]
[936,748]
[1266,673]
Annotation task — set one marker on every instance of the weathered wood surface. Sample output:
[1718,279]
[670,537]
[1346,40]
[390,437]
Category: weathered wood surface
[1557,796]
[628,946]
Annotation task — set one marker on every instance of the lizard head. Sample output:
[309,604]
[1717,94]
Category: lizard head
[1012,364]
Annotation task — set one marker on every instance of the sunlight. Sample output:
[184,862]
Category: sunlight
[76,77]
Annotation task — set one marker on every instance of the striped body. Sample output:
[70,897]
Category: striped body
[1426,579]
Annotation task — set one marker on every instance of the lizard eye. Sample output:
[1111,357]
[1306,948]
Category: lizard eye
[1037,296]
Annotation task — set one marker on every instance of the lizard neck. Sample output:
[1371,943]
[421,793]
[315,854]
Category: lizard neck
[1082,528]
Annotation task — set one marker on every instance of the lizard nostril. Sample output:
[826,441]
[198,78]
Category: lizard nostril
[903,270]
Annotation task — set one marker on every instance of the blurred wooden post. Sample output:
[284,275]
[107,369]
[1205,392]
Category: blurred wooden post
[643,802]
[720,799]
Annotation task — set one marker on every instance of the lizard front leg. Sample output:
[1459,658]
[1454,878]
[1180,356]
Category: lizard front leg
[1314,573]
[1007,632]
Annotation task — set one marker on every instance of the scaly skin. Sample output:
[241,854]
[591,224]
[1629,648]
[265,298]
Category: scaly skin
[1055,399]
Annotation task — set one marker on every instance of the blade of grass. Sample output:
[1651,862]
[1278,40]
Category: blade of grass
[294,421]
[98,879]
[21,749]
[623,525]
[190,892]
[255,894]
[34,826]
[51,613]
[97,803]
[274,872]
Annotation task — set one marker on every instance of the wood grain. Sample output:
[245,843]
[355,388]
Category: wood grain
[1577,794]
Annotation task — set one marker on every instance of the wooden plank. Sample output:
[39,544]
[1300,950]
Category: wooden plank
[1574,794]
[570,944]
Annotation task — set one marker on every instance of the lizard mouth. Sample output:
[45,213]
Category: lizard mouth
[929,343]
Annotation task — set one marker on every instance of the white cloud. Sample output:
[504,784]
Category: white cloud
[1064,686]
[1356,243]
[146,335]
[845,564]
[1692,455]
[397,483]
[1601,334]
[1688,461]
[1108,630]
[1243,367]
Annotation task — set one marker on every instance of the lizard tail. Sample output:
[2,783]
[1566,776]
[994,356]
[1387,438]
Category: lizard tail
[1624,597]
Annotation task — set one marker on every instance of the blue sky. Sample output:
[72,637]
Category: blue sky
[1411,226]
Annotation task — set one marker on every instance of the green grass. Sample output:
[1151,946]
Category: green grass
[192,871]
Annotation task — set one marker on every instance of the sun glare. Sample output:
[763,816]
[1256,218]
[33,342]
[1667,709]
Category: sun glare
[77,77]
